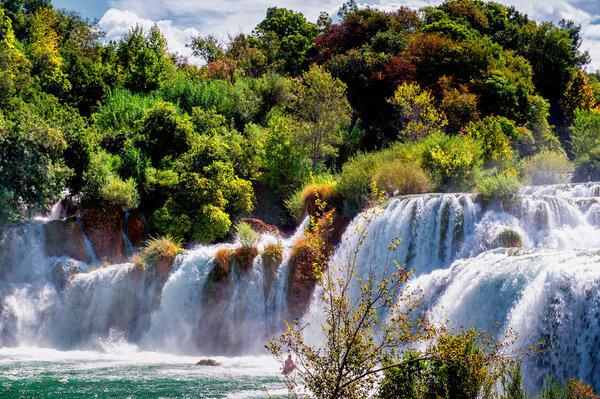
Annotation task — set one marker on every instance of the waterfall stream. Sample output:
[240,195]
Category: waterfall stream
[548,289]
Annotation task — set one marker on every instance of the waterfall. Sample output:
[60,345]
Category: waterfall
[547,289]
[63,303]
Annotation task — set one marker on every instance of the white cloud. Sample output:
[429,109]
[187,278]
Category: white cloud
[118,22]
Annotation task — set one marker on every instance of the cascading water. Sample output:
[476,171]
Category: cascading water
[546,290]
[58,302]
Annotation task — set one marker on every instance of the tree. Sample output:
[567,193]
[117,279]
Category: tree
[420,116]
[31,171]
[579,94]
[44,54]
[14,65]
[356,339]
[208,48]
[295,36]
[323,112]
[281,158]
[143,59]
[585,131]
[163,133]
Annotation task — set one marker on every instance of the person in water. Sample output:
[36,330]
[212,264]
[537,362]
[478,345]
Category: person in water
[289,365]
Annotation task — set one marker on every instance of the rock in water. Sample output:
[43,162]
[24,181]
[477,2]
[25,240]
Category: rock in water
[208,362]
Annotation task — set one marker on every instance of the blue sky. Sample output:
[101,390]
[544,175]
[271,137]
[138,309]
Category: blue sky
[179,20]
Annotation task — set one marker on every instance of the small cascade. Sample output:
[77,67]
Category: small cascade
[543,295]
[231,317]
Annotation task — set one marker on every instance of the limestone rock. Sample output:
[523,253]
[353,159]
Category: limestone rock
[208,362]
[104,228]
[64,237]
[63,269]
[136,228]
[259,226]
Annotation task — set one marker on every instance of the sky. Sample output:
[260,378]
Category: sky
[179,20]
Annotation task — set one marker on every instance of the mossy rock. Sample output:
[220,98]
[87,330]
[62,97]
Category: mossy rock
[136,228]
[104,228]
[302,279]
[272,256]
[63,270]
[244,258]
[508,239]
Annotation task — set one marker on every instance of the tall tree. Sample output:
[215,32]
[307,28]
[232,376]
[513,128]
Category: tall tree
[323,112]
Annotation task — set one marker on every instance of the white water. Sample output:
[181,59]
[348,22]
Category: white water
[548,289]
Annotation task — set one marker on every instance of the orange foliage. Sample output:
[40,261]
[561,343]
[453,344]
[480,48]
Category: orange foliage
[326,193]
[580,391]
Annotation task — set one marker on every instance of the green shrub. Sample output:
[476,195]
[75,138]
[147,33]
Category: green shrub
[508,239]
[204,224]
[500,187]
[272,255]
[184,91]
[587,167]
[162,132]
[401,178]
[188,93]
[585,132]
[355,181]
[122,109]
[159,253]
[247,236]
[295,205]
[103,186]
[453,161]
[547,167]
[458,368]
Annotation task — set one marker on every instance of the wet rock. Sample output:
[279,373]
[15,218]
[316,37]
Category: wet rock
[63,269]
[136,228]
[104,228]
[302,279]
[208,362]
[244,259]
[508,239]
[272,256]
[64,237]
[216,299]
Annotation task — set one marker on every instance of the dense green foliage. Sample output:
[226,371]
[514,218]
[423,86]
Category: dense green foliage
[406,102]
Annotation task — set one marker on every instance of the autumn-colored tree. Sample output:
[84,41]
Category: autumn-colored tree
[14,65]
[44,52]
[579,94]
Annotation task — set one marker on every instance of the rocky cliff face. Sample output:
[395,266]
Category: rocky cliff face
[135,228]
[64,237]
[104,228]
